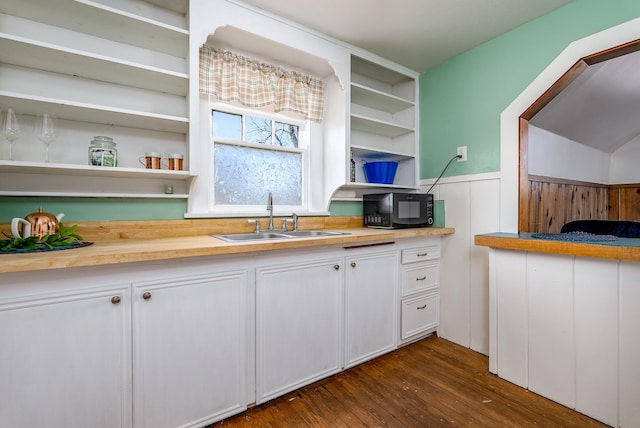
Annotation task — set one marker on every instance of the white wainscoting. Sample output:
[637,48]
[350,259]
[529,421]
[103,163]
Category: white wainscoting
[471,207]
[567,328]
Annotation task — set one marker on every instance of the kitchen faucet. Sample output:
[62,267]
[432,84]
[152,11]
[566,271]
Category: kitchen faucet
[270,209]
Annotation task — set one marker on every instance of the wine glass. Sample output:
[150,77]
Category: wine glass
[11,128]
[46,132]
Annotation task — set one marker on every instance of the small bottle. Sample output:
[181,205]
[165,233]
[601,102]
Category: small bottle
[353,167]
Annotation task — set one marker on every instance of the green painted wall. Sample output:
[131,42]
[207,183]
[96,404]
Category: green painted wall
[102,209]
[461,100]
[94,209]
[343,208]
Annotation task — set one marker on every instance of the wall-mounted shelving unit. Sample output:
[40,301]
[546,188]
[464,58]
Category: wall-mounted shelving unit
[383,115]
[118,68]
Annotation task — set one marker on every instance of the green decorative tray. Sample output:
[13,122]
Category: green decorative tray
[42,248]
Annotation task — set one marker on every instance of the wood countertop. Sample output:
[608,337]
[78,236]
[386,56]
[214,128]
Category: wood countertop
[104,252]
[621,249]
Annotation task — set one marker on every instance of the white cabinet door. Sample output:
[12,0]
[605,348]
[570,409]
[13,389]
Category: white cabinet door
[509,323]
[629,370]
[596,321]
[189,349]
[65,359]
[371,305]
[298,324]
[551,327]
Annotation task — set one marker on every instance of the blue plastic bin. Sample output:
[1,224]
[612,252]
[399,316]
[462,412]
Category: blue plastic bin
[380,172]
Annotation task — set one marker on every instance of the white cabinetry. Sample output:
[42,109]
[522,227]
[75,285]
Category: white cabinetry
[115,68]
[298,322]
[149,345]
[420,297]
[189,347]
[65,359]
[566,327]
[383,117]
[370,314]
[629,371]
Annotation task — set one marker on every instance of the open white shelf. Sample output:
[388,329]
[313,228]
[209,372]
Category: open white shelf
[24,167]
[374,126]
[158,31]
[374,154]
[45,56]
[96,195]
[377,99]
[94,113]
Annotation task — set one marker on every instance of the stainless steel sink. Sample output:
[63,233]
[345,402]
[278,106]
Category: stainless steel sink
[308,233]
[260,236]
[265,236]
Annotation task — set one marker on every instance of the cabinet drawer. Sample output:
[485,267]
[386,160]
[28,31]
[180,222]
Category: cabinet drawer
[420,277]
[420,314]
[412,255]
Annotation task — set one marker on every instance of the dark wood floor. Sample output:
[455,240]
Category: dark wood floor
[430,383]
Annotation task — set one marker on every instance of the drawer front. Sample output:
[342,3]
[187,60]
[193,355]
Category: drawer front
[420,277]
[413,255]
[420,314]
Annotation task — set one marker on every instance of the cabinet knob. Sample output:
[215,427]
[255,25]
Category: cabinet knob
[422,278]
[146,295]
[353,264]
[336,267]
[422,307]
[115,300]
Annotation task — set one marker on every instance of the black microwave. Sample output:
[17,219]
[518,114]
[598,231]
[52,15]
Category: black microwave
[397,210]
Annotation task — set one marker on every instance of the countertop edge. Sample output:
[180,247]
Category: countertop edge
[153,249]
[514,241]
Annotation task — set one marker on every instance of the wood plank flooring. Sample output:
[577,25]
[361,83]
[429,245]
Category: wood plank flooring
[430,383]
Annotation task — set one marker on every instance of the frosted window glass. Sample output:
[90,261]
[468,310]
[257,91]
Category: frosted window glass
[246,175]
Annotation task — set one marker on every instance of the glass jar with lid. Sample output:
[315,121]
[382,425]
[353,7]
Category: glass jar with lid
[103,152]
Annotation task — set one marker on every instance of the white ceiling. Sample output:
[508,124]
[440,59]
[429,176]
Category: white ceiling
[415,33]
[601,108]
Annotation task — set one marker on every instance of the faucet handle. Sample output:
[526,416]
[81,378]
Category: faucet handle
[294,218]
[257,222]
[284,224]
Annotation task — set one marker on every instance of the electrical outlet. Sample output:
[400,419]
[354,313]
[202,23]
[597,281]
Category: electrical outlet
[462,151]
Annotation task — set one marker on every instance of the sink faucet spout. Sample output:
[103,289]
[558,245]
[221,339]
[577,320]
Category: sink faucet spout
[270,209]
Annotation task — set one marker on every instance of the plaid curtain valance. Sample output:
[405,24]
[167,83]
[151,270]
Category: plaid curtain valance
[233,77]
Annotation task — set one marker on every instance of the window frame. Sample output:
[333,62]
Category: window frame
[304,144]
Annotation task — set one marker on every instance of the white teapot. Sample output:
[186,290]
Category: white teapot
[36,224]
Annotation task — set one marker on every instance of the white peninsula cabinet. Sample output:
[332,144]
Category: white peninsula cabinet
[566,327]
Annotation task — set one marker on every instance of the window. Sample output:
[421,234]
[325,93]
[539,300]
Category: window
[254,156]
[261,128]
